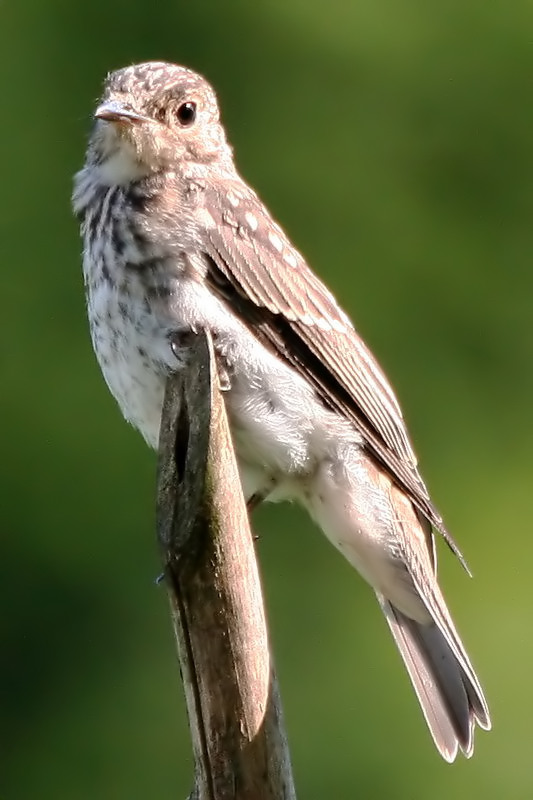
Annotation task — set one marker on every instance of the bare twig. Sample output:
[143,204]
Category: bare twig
[239,743]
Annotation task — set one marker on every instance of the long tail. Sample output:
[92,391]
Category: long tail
[445,683]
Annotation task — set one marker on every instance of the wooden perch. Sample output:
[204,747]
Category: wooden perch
[239,743]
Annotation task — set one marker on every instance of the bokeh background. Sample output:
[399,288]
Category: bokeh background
[393,138]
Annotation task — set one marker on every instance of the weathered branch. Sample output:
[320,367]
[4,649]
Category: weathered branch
[239,744]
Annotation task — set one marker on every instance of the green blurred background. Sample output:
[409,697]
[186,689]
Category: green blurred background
[393,138]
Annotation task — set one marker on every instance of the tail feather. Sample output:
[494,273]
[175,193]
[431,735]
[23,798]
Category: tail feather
[448,691]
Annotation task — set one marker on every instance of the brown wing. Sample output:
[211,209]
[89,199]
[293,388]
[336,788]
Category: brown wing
[253,266]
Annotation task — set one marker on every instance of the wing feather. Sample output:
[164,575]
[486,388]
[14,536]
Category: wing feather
[254,267]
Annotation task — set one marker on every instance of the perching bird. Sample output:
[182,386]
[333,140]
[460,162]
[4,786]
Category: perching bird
[174,240]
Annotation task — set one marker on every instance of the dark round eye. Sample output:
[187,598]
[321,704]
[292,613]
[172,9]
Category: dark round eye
[186,113]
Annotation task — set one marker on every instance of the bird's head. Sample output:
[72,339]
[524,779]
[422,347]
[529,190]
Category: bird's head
[152,117]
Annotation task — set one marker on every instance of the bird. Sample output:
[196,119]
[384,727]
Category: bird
[175,241]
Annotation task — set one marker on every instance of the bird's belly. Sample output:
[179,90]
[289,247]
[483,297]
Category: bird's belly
[271,443]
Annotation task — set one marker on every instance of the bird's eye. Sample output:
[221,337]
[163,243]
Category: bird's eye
[186,114]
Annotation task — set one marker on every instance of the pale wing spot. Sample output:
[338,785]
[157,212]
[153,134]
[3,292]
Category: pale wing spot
[275,241]
[205,218]
[233,198]
[251,219]
[290,259]
[323,324]
[338,326]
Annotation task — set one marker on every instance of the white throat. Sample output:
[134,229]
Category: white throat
[120,167]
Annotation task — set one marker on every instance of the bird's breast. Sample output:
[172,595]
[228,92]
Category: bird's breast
[139,298]
[133,351]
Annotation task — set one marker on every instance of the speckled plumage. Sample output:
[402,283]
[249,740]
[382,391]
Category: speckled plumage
[174,240]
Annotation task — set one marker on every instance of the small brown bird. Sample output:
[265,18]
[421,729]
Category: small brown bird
[174,240]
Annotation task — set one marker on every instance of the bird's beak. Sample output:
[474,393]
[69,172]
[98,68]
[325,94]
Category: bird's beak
[111,111]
